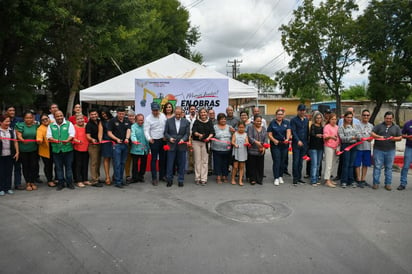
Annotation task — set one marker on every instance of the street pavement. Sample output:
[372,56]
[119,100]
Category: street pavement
[207,229]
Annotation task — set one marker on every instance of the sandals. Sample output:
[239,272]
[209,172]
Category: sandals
[87,183]
[51,184]
[28,187]
[80,184]
[218,180]
[108,182]
[33,186]
[241,183]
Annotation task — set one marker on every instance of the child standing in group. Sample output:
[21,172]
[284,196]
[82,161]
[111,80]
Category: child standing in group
[240,142]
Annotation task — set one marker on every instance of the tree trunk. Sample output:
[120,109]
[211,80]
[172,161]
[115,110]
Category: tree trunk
[338,105]
[73,91]
[375,112]
[397,110]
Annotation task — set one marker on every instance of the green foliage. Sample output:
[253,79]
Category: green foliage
[261,81]
[319,41]
[357,92]
[384,40]
[60,45]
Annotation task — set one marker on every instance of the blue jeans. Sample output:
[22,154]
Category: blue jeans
[407,160]
[348,161]
[178,157]
[383,159]
[156,149]
[221,162]
[316,156]
[120,152]
[63,160]
[298,153]
[279,154]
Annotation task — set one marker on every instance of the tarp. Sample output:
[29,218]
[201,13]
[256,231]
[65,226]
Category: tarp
[120,90]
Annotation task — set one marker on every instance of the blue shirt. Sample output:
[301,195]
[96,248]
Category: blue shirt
[278,130]
[407,129]
[300,129]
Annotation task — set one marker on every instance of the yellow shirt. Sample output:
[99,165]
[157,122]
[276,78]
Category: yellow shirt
[44,149]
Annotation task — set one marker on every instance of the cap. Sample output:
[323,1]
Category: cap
[301,107]
[155,106]
[328,110]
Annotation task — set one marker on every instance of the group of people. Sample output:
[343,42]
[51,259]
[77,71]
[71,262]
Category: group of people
[198,142]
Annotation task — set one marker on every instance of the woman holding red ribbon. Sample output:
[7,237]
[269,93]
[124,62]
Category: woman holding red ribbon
[221,148]
[26,134]
[81,153]
[349,135]
[45,149]
[315,147]
[202,132]
[9,153]
[331,145]
[106,143]
[279,134]
[255,164]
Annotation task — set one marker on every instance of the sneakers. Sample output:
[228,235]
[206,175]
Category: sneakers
[354,185]
[2,193]
[281,180]
[10,191]
[343,185]
[375,186]
[388,187]
[276,182]
[401,187]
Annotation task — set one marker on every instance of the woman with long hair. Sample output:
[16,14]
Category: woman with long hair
[316,144]
[331,145]
[106,146]
[168,110]
[221,149]
[45,149]
[202,131]
[348,134]
[26,134]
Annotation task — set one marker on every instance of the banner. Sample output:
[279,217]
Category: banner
[202,93]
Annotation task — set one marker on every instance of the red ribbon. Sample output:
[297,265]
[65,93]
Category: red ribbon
[306,158]
[361,142]
[166,147]
[266,145]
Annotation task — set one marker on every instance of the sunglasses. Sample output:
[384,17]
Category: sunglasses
[366,115]
[44,119]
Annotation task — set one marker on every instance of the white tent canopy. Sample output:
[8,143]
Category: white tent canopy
[120,90]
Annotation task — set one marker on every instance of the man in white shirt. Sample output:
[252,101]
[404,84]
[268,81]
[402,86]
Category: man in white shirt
[256,111]
[154,127]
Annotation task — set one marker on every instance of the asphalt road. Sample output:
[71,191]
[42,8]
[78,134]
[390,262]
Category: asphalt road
[210,229]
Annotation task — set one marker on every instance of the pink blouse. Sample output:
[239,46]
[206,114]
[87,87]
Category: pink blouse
[331,131]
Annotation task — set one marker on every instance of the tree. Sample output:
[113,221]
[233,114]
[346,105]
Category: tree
[319,42]
[261,81]
[355,92]
[22,27]
[384,40]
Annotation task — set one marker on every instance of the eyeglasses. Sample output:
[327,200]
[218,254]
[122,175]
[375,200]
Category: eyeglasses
[365,115]
[44,119]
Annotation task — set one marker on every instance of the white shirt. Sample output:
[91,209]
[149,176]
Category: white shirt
[72,131]
[154,127]
[6,151]
[191,119]
[177,123]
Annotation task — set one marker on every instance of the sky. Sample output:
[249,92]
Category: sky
[247,31]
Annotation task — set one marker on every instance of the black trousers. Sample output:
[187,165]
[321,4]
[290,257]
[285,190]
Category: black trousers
[48,168]
[255,165]
[139,168]
[81,166]
[30,163]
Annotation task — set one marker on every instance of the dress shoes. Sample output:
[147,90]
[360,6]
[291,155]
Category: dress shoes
[20,187]
[401,187]
[375,186]
[119,185]
[169,183]
[59,187]
[70,185]
[180,184]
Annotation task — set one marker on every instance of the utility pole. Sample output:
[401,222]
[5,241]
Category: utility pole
[235,67]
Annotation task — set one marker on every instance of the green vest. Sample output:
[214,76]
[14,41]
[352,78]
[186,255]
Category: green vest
[60,133]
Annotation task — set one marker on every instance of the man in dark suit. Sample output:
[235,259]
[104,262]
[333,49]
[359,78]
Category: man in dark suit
[177,131]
